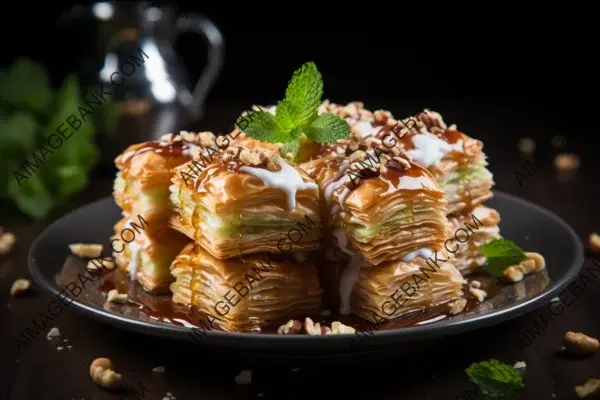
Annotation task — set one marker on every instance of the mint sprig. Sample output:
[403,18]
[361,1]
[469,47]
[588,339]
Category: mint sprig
[296,115]
[501,254]
[494,378]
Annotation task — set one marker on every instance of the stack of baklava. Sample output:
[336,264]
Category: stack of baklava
[251,215]
[145,251]
[455,160]
[386,223]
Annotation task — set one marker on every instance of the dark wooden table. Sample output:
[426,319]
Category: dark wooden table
[43,372]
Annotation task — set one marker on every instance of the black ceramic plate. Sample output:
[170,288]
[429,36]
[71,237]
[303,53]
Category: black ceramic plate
[531,227]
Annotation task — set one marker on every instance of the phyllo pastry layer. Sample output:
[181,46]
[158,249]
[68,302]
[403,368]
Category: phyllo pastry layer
[244,294]
[247,201]
[381,208]
[145,171]
[147,254]
[397,288]
[483,228]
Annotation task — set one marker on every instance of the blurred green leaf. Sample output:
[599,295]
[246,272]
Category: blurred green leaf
[18,132]
[26,85]
[31,196]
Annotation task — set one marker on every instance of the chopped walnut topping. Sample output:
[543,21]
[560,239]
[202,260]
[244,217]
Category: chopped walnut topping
[84,250]
[115,297]
[291,327]
[20,287]
[594,243]
[207,139]
[252,157]
[311,328]
[381,116]
[325,330]
[168,137]
[479,294]
[589,388]
[101,372]
[7,241]
[337,328]
[458,306]
[580,344]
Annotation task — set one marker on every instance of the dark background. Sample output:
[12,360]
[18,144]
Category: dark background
[500,70]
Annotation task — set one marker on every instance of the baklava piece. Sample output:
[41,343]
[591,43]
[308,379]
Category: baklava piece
[245,294]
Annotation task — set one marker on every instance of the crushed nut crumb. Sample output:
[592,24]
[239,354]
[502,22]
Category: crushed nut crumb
[475,284]
[458,306]
[7,241]
[594,243]
[115,297]
[158,369]
[579,343]
[101,372]
[84,250]
[52,333]
[20,287]
[337,328]
[535,262]
[520,365]
[589,388]
[311,328]
[291,327]
[478,293]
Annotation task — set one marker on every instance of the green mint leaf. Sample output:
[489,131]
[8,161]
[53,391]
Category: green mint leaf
[302,97]
[501,254]
[292,147]
[494,378]
[327,128]
[262,125]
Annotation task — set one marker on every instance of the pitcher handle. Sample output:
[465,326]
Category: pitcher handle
[197,23]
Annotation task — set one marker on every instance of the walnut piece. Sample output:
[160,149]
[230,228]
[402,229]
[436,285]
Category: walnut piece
[115,297]
[566,162]
[458,306]
[594,243]
[20,287]
[101,372]
[84,250]
[311,328]
[478,293]
[244,377]
[337,328]
[535,262]
[7,241]
[589,388]
[580,344]
[52,333]
[475,284]
[291,327]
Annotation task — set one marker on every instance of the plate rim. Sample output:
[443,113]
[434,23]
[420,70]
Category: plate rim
[400,335]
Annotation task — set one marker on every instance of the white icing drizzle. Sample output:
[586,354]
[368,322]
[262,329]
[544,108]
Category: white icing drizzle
[336,182]
[430,149]
[287,179]
[134,262]
[365,129]
[424,253]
